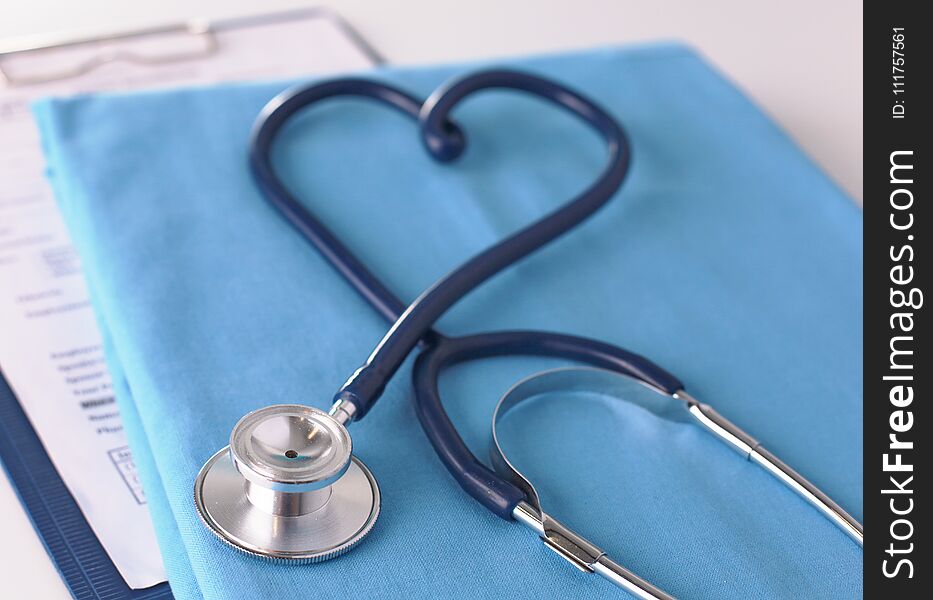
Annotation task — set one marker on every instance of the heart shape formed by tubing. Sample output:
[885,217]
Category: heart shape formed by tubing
[445,141]
[288,437]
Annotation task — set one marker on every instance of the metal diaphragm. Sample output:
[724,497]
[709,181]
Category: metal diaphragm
[287,487]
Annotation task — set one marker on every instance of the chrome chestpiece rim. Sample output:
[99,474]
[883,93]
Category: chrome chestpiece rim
[290,448]
[288,487]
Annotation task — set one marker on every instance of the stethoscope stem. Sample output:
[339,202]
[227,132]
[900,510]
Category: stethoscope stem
[342,411]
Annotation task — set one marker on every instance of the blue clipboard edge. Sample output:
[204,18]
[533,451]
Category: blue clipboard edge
[81,561]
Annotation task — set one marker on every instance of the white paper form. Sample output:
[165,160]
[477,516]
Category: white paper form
[50,348]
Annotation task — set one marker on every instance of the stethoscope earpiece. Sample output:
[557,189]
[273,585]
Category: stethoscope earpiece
[288,487]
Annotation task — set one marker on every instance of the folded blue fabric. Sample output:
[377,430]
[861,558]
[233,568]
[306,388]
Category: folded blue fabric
[727,257]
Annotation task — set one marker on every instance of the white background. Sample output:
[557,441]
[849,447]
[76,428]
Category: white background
[800,60]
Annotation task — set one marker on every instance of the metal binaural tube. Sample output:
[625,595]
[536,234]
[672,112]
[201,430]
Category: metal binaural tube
[809,492]
[748,446]
[568,545]
[625,579]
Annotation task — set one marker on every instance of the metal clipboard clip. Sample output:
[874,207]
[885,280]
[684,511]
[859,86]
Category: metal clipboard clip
[197,40]
[107,52]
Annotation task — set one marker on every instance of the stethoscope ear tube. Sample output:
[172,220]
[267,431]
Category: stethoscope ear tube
[273,117]
[490,489]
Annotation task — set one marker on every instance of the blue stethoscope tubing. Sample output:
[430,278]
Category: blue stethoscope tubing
[412,324]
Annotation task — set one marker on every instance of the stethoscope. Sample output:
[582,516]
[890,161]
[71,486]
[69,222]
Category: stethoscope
[288,486]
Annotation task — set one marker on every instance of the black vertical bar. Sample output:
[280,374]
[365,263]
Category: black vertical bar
[897,370]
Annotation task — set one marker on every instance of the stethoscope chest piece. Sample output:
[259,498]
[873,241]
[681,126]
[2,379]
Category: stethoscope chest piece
[288,487]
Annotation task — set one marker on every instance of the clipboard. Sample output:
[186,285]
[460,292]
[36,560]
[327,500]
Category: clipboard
[68,537]
[202,31]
